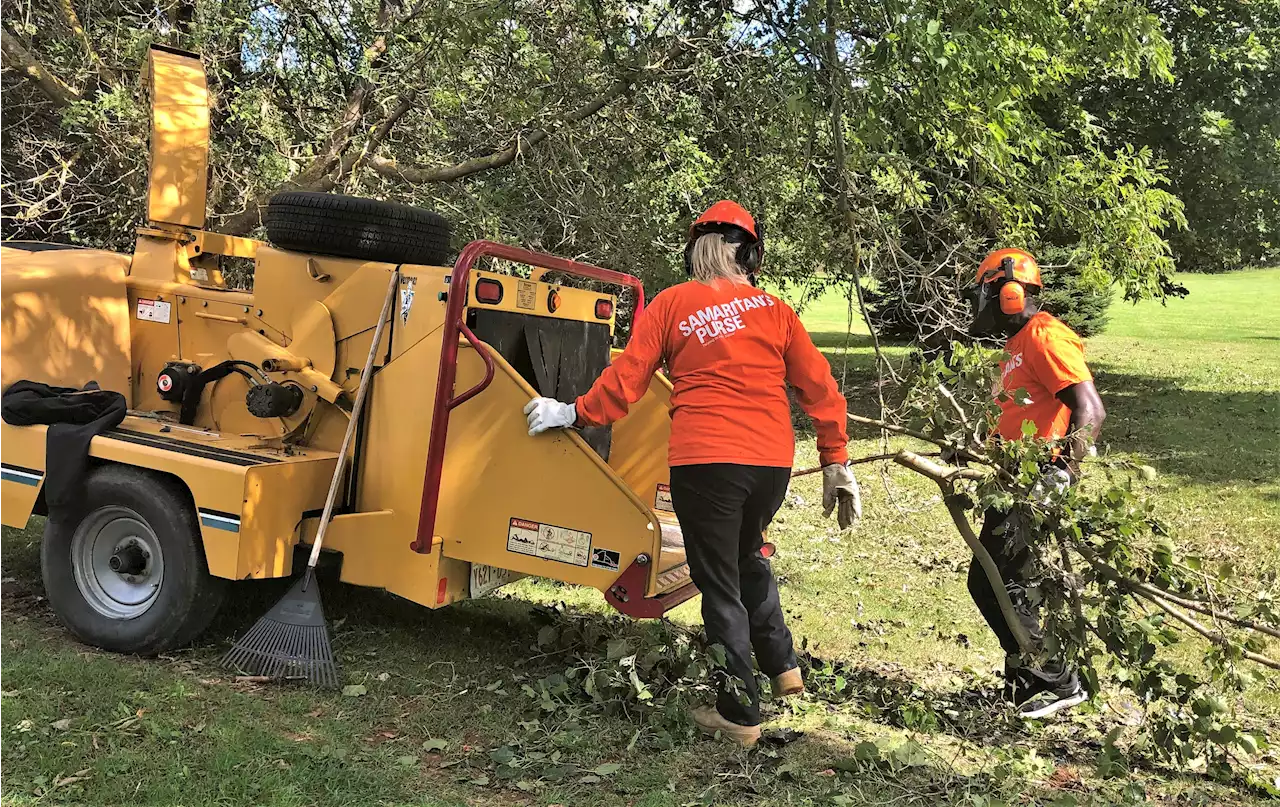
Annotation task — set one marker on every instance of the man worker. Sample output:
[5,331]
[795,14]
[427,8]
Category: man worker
[1044,358]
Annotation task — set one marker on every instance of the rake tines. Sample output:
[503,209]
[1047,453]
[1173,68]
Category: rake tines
[291,641]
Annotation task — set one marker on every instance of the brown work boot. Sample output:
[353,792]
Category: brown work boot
[788,683]
[710,721]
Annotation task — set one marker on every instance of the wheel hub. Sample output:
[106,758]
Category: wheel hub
[117,562]
[130,559]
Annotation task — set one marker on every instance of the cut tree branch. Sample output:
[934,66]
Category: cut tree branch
[944,476]
[1212,635]
[1150,592]
[19,58]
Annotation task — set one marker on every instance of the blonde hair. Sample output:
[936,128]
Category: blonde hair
[715,259]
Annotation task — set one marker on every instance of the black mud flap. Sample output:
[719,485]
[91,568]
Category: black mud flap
[558,357]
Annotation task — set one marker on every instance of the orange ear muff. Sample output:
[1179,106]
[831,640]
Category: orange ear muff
[1013,298]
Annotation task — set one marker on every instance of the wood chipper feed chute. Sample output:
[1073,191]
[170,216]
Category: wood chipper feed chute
[548,506]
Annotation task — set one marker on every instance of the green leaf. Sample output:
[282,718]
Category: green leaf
[406,760]
[502,755]
[435,746]
[607,769]
[866,751]
[354,690]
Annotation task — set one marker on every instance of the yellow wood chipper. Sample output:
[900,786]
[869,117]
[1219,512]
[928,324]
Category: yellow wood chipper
[238,403]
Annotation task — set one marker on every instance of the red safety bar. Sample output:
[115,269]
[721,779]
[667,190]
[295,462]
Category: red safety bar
[455,326]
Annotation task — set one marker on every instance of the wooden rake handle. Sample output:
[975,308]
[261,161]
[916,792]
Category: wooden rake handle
[361,393]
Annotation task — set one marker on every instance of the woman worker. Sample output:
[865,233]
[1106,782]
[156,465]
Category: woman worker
[730,351]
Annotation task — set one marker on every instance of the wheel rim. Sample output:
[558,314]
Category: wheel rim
[117,562]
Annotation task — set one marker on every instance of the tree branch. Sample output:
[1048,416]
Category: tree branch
[73,22]
[315,177]
[19,58]
[419,175]
[1212,635]
[945,476]
[1149,591]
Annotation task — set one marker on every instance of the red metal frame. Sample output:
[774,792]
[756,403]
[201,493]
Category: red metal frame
[627,594]
[455,326]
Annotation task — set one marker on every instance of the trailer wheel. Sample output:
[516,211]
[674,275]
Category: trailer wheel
[128,572]
[350,227]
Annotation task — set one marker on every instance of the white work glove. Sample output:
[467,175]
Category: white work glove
[839,487]
[1052,484]
[548,413]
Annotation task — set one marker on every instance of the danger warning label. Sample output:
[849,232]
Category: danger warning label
[549,542]
[662,501]
[153,310]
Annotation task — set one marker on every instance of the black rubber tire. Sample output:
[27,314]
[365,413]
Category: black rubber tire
[189,596]
[350,227]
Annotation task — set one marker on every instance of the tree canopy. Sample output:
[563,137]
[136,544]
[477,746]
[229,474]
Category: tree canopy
[895,141]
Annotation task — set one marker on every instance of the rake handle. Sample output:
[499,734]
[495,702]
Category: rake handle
[361,393]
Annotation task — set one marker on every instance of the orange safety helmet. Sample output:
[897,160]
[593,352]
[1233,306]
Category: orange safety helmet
[1015,270]
[726,212]
[727,216]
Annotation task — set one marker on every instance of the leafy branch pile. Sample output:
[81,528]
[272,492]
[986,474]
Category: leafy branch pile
[1119,598]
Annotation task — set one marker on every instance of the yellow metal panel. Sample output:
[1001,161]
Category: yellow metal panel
[495,472]
[65,318]
[179,139]
[390,479]
[23,450]
[154,343]
[204,328]
[638,452]
[285,281]
[230,245]
[275,497]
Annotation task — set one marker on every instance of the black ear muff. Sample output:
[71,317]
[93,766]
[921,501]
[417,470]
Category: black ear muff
[688,258]
[751,253]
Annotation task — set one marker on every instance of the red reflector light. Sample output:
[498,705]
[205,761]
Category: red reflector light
[604,309]
[553,301]
[488,291]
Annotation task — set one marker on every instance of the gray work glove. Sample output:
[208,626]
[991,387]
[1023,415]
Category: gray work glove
[1051,485]
[548,413]
[840,489]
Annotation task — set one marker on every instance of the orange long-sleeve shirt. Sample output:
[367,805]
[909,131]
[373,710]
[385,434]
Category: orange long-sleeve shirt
[730,350]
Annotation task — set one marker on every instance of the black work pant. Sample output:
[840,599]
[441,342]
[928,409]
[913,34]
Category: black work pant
[723,510]
[1004,536]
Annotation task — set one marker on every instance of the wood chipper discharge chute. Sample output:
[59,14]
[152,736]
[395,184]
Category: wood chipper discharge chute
[240,403]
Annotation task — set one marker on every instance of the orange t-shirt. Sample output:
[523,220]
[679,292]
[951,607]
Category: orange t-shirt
[1043,358]
[730,351]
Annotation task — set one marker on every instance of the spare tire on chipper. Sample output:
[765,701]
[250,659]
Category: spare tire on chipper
[350,227]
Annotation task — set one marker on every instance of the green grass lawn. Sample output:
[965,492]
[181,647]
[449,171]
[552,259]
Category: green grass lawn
[1193,387]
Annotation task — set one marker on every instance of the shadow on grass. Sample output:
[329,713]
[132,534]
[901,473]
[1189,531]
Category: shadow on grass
[834,339]
[1213,437]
